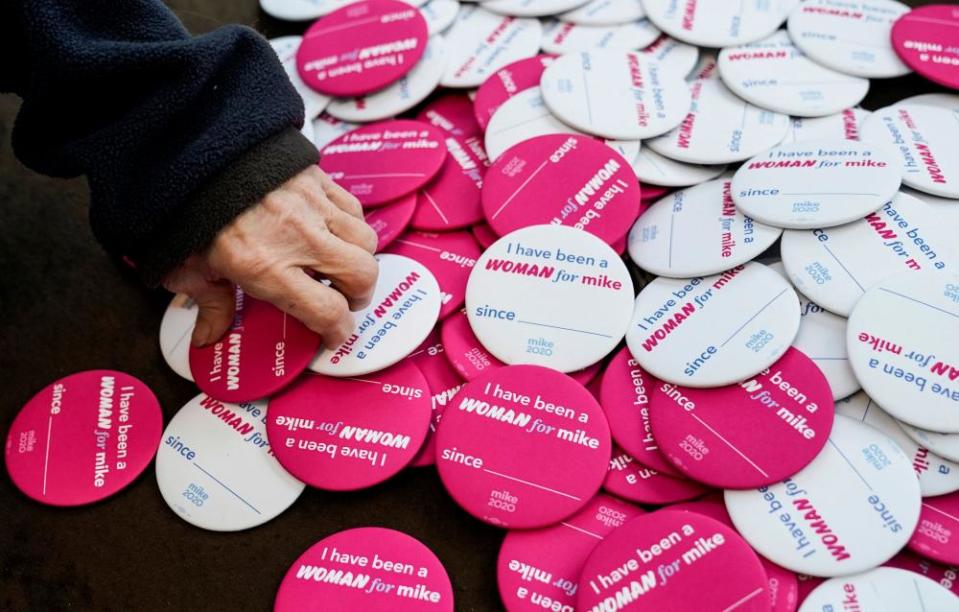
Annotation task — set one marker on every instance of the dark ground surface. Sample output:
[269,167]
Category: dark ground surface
[65,307]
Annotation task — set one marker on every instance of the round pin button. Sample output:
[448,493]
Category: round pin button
[560,37]
[789,410]
[542,566]
[502,419]
[301,10]
[362,47]
[481,42]
[937,476]
[385,161]
[910,370]
[815,184]
[844,125]
[853,38]
[449,256]
[264,350]
[614,94]
[83,438]
[216,468]
[605,12]
[527,293]
[944,445]
[717,23]
[404,308]
[822,338]
[402,95]
[651,167]
[320,437]
[882,588]
[562,179]
[697,231]
[713,331]
[368,568]
[834,266]
[531,8]
[624,395]
[452,199]
[506,83]
[720,128]
[851,509]
[924,137]
[439,15]
[773,73]
[176,327]
[938,523]
[391,219]
[656,560]
[630,479]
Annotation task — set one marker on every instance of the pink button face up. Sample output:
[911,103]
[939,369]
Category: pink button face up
[83,438]
[522,447]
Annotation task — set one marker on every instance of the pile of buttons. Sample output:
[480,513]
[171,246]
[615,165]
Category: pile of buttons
[656,297]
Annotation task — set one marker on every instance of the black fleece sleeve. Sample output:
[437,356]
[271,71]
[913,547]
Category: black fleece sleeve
[175,134]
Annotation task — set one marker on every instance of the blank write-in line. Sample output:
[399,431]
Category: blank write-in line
[519,189]
[729,444]
[849,463]
[532,484]
[750,319]
[578,331]
[912,299]
[223,484]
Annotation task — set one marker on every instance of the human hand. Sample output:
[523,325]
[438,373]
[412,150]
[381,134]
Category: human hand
[307,224]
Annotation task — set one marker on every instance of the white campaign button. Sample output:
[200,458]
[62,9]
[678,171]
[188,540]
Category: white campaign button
[301,10]
[852,36]
[822,338]
[879,590]
[816,184]
[773,73]
[718,23]
[411,89]
[216,470]
[439,15]
[720,128]
[937,476]
[176,327]
[925,139]
[605,12]
[480,42]
[697,231]
[713,331]
[527,294]
[532,8]
[851,509]
[560,37]
[944,445]
[834,266]
[902,345]
[404,308]
[844,125]
[941,100]
[651,167]
[614,94]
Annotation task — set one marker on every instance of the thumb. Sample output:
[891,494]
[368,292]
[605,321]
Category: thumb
[217,304]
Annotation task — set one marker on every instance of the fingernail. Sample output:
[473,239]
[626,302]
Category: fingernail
[201,334]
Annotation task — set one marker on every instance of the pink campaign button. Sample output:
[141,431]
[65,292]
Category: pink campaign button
[362,47]
[391,219]
[572,180]
[321,436]
[671,560]
[452,199]
[262,352]
[789,411]
[470,359]
[452,113]
[506,83]
[935,537]
[83,438]
[632,480]
[444,384]
[624,395]
[926,40]
[369,568]
[523,446]
[450,257]
[384,161]
[539,569]
[484,234]
[783,586]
